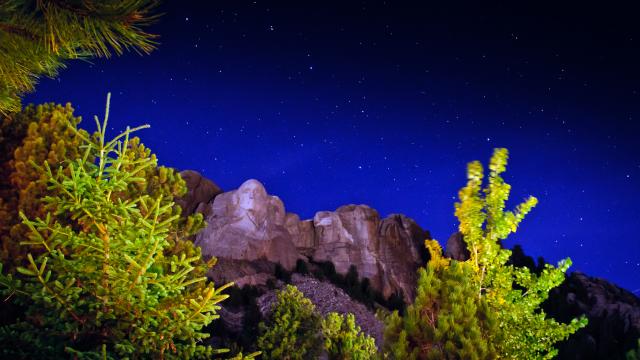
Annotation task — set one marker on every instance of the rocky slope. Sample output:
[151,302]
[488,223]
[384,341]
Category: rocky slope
[329,298]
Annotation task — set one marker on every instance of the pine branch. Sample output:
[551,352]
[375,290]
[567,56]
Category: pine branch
[38,36]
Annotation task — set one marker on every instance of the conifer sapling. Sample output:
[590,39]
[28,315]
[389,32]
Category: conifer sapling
[109,280]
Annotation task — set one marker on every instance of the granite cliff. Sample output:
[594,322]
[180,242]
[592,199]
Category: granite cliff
[248,226]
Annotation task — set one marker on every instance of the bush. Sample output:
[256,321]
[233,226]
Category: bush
[344,340]
[292,330]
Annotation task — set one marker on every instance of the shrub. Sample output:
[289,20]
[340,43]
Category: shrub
[292,330]
[344,340]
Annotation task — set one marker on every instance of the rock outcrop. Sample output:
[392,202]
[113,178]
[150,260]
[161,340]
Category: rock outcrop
[456,248]
[200,192]
[249,225]
[613,313]
[387,252]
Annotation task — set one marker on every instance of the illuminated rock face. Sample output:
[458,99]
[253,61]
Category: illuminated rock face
[386,251]
[249,224]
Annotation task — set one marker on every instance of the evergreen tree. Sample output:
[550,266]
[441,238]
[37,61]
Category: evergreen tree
[108,281]
[42,133]
[36,134]
[38,36]
[514,294]
[344,340]
[292,330]
[447,320]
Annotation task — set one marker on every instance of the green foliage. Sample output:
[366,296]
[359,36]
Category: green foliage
[38,36]
[42,133]
[112,278]
[292,330]
[295,331]
[36,134]
[633,354]
[343,339]
[514,294]
[447,320]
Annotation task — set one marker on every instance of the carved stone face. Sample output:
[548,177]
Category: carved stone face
[251,195]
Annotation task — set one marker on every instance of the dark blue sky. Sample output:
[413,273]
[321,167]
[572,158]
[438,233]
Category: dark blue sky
[384,103]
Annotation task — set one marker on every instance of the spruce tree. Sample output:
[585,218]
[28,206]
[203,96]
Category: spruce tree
[293,329]
[344,340]
[38,36]
[514,294]
[108,281]
[447,320]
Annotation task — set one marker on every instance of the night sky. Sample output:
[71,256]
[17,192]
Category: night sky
[383,103]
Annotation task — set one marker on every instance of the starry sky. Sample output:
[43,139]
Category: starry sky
[383,103]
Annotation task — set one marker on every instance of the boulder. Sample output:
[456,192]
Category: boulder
[248,224]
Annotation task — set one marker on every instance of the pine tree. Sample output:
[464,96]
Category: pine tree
[38,36]
[514,294]
[447,320]
[344,340]
[292,330]
[108,281]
